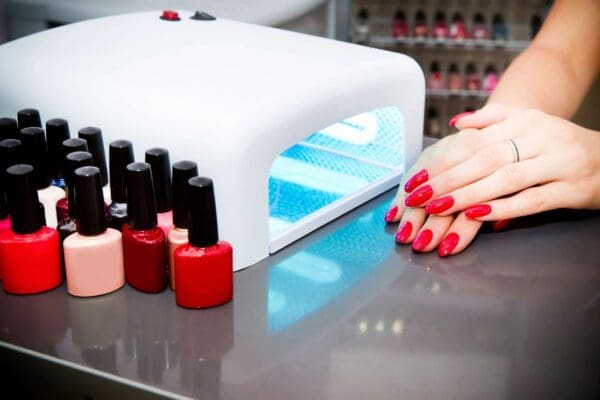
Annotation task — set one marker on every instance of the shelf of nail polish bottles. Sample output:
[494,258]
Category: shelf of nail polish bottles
[387,42]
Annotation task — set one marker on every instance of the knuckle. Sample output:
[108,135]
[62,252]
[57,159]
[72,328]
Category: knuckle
[490,158]
[513,176]
[535,200]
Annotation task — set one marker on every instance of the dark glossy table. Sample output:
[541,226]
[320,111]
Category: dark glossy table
[341,314]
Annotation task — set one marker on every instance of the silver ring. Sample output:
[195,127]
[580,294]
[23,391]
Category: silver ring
[515,150]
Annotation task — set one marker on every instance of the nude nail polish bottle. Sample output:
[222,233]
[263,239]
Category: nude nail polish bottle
[95,143]
[182,172]
[29,117]
[8,129]
[67,147]
[57,131]
[204,266]
[36,155]
[93,255]
[120,155]
[158,158]
[144,245]
[29,251]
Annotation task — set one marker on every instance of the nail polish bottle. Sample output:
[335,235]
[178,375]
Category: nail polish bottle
[36,155]
[144,244]
[11,153]
[499,30]
[94,254]
[120,155]
[29,117]
[454,78]
[420,30]
[440,27]
[399,25]
[458,29]
[158,158]
[57,131]
[8,129]
[434,79]
[473,80]
[30,250]
[204,266]
[433,127]
[93,137]
[182,172]
[479,30]
[536,24]
[490,79]
[68,146]
[362,31]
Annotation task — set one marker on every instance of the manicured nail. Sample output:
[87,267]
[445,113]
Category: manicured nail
[455,119]
[448,244]
[404,232]
[500,225]
[422,240]
[478,211]
[415,180]
[419,196]
[439,205]
[391,214]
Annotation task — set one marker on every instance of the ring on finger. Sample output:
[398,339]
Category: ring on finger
[515,150]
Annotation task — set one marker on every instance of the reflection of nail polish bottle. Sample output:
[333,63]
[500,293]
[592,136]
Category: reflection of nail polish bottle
[29,117]
[36,155]
[490,80]
[479,30]
[160,164]
[454,79]
[30,250]
[458,29]
[473,81]
[433,127]
[120,154]
[434,80]
[204,266]
[93,255]
[362,30]
[536,24]
[144,244]
[399,25]
[57,131]
[499,30]
[182,172]
[440,27]
[420,30]
[8,129]
[95,142]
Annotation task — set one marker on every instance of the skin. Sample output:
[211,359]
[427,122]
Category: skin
[560,161]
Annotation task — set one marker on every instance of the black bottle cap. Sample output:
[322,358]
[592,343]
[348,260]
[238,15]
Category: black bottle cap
[498,19]
[400,16]
[457,17]
[141,206]
[440,17]
[11,153]
[26,215]
[420,16]
[89,211]
[182,172]
[435,67]
[203,231]
[57,131]
[36,154]
[432,113]
[8,128]
[158,158]
[363,14]
[29,117]
[75,160]
[93,137]
[478,19]
[73,144]
[120,154]
[471,68]
[453,69]
[490,69]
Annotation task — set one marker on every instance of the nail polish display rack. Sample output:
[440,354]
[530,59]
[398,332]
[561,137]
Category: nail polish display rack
[376,30]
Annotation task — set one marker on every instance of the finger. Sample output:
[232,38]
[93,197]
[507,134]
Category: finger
[486,116]
[460,234]
[529,201]
[480,165]
[431,233]
[411,223]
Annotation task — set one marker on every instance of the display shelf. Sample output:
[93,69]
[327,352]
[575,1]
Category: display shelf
[386,41]
[447,93]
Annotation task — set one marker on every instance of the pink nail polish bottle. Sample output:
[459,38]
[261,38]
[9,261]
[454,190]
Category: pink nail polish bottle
[93,255]
[158,158]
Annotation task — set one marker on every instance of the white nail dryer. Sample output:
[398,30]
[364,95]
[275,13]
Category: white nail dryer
[295,130]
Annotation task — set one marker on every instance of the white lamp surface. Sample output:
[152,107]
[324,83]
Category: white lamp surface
[295,130]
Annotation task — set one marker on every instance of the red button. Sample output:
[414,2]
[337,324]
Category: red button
[170,15]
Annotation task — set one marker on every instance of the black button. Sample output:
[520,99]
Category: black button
[202,16]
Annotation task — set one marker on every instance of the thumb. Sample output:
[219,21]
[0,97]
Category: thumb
[482,118]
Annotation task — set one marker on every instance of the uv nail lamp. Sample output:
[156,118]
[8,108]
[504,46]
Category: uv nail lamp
[295,130]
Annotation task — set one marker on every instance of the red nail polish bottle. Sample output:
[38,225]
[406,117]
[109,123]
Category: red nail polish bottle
[204,266]
[29,251]
[120,154]
[144,245]
[160,164]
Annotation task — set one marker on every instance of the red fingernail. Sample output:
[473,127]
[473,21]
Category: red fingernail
[478,211]
[439,205]
[404,232]
[391,214]
[415,180]
[455,119]
[500,225]
[419,196]
[422,240]
[448,244]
